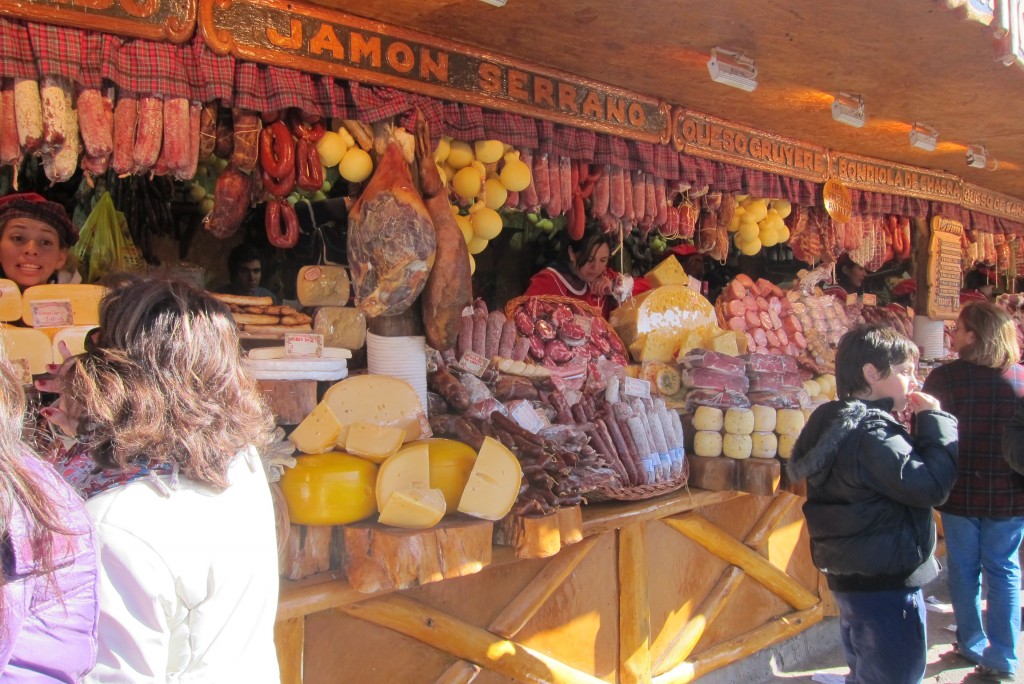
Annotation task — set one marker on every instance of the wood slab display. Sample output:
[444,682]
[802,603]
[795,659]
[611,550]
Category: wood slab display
[311,549]
[716,474]
[542,536]
[759,476]
[379,558]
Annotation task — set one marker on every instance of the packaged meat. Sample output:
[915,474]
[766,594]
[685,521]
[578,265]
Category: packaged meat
[721,399]
[713,379]
[770,363]
[777,382]
[705,358]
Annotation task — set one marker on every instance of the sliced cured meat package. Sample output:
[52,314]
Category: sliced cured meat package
[712,360]
[712,379]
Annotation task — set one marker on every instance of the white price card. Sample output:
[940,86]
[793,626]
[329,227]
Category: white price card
[304,345]
[52,313]
[870,300]
[527,417]
[472,362]
[635,387]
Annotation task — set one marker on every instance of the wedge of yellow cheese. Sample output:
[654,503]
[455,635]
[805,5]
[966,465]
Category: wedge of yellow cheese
[379,400]
[413,509]
[27,347]
[318,432]
[407,469]
[373,442]
[493,485]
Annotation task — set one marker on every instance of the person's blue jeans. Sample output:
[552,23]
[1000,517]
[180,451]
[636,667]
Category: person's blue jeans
[989,544]
[884,635]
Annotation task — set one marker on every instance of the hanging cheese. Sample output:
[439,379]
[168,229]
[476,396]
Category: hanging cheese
[764,445]
[318,432]
[73,337]
[85,301]
[373,442]
[27,348]
[707,443]
[322,286]
[413,509]
[378,399]
[341,326]
[493,485]
[736,446]
[329,489]
[739,421]
[407,469]
[10,300]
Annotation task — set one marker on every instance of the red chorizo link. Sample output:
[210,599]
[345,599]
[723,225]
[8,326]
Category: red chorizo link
[277,149]
[125,116]
[149,133]
[279,187]
[280,212]
[310,176]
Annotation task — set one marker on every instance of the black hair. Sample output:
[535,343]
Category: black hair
[975,279]
[242,254]
[585,247]
[880,345]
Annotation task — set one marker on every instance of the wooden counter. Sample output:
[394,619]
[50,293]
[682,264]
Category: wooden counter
[663,590]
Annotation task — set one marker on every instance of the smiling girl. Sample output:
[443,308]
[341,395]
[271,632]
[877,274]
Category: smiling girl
[35,235]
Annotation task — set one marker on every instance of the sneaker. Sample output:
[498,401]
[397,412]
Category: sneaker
[992,675]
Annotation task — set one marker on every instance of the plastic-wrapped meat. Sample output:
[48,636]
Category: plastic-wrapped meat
[545,330]
[777,382]
[537,347]
[391,240]
[781,399]
[561,314]
[770,363]
[712,379]
[524,324]
[557,351]
[705,358]
[572,333]
[722,399]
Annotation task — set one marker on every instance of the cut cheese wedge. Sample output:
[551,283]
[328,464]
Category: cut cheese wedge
[380,400]
[27,348]
[413,509]
[407,469]
[373,442]
[493,485]
[10,300]
[318,432]
[85,301]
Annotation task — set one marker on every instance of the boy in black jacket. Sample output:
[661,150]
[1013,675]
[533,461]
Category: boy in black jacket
[871,486]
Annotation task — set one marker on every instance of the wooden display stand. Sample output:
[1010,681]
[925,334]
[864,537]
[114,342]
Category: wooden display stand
[759,476]
[540,537]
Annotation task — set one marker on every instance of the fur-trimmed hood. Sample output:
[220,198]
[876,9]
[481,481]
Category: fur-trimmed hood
[828,427]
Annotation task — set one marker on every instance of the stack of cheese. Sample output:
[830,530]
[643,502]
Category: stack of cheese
[373,429]
[758,431]
[273,363]
[327,288]
[40,307]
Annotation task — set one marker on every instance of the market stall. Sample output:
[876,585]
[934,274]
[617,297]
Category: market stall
[473,485]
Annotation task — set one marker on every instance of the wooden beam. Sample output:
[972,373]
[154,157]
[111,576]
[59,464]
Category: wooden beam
[780,506]
[459,672]
[525,605]
[741,647]
[614,515]
[721,544]
[446,633]
[677,640]
[634,607]
[289,639]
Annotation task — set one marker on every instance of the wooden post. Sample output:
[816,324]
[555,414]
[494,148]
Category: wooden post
[759,535]
[289,638]
[677,641]
[718,542]
[459,672]
[446,633]
[634,607]
[921,238]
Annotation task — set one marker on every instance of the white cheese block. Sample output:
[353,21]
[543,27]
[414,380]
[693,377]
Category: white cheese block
[493,485]
[407,469]
[707,443]
[85,301]
[318,432]
[263,353]
[736,446]
[378,399]
[413,509]
[764,418]
[764,445]
[708,418]
[74,337]
[27,348]
[10,300]
[373,442]
[739,421]
[786,444]
[790,421]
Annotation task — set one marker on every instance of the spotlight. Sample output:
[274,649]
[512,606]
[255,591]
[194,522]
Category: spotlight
[496,3]
[732,69]
[924,136]
[848,108]
[978,158]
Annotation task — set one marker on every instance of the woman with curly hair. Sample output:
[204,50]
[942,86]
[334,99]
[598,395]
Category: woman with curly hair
[182,509]
[48,587]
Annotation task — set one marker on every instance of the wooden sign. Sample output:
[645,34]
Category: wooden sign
[944,269]
[837,201]
[993,203]
[164,20]
[702,135]
[324,41]
[877,175]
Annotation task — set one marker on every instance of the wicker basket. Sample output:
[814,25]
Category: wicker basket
[640,492]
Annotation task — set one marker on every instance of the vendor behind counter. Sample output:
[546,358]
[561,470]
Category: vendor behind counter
[35,236]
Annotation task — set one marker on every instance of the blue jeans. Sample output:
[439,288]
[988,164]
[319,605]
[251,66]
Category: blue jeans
[884,635]
[989,544]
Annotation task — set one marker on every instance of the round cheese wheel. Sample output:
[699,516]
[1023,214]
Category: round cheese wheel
[739,421]
[813,388]
[736,446]
[707,443]
[786,443]
[764,445]
[329,489]
[708,418]
[764,418]
[789,421]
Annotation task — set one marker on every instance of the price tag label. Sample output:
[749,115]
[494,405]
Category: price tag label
[851,299]
[693,284]
[304,345]
[52,313]
[870,300]
[635,387]
[527,417]
[472,362]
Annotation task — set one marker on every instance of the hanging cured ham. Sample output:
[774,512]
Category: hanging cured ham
[391,240]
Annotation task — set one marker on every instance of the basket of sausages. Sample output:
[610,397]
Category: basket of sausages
[556,330]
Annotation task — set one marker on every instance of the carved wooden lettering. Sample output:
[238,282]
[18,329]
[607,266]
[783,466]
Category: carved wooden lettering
[864,173]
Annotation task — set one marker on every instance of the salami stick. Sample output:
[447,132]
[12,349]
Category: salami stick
[495,322]
[606,450]
[619,442]
[507,340]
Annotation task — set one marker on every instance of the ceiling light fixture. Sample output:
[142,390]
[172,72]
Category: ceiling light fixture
[924,136]
[732,69]
[978,158]
[496,3]
[848,108]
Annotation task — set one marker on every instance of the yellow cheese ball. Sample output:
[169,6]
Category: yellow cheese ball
[356,166]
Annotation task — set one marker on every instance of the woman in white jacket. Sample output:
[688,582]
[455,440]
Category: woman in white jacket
[184,519]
